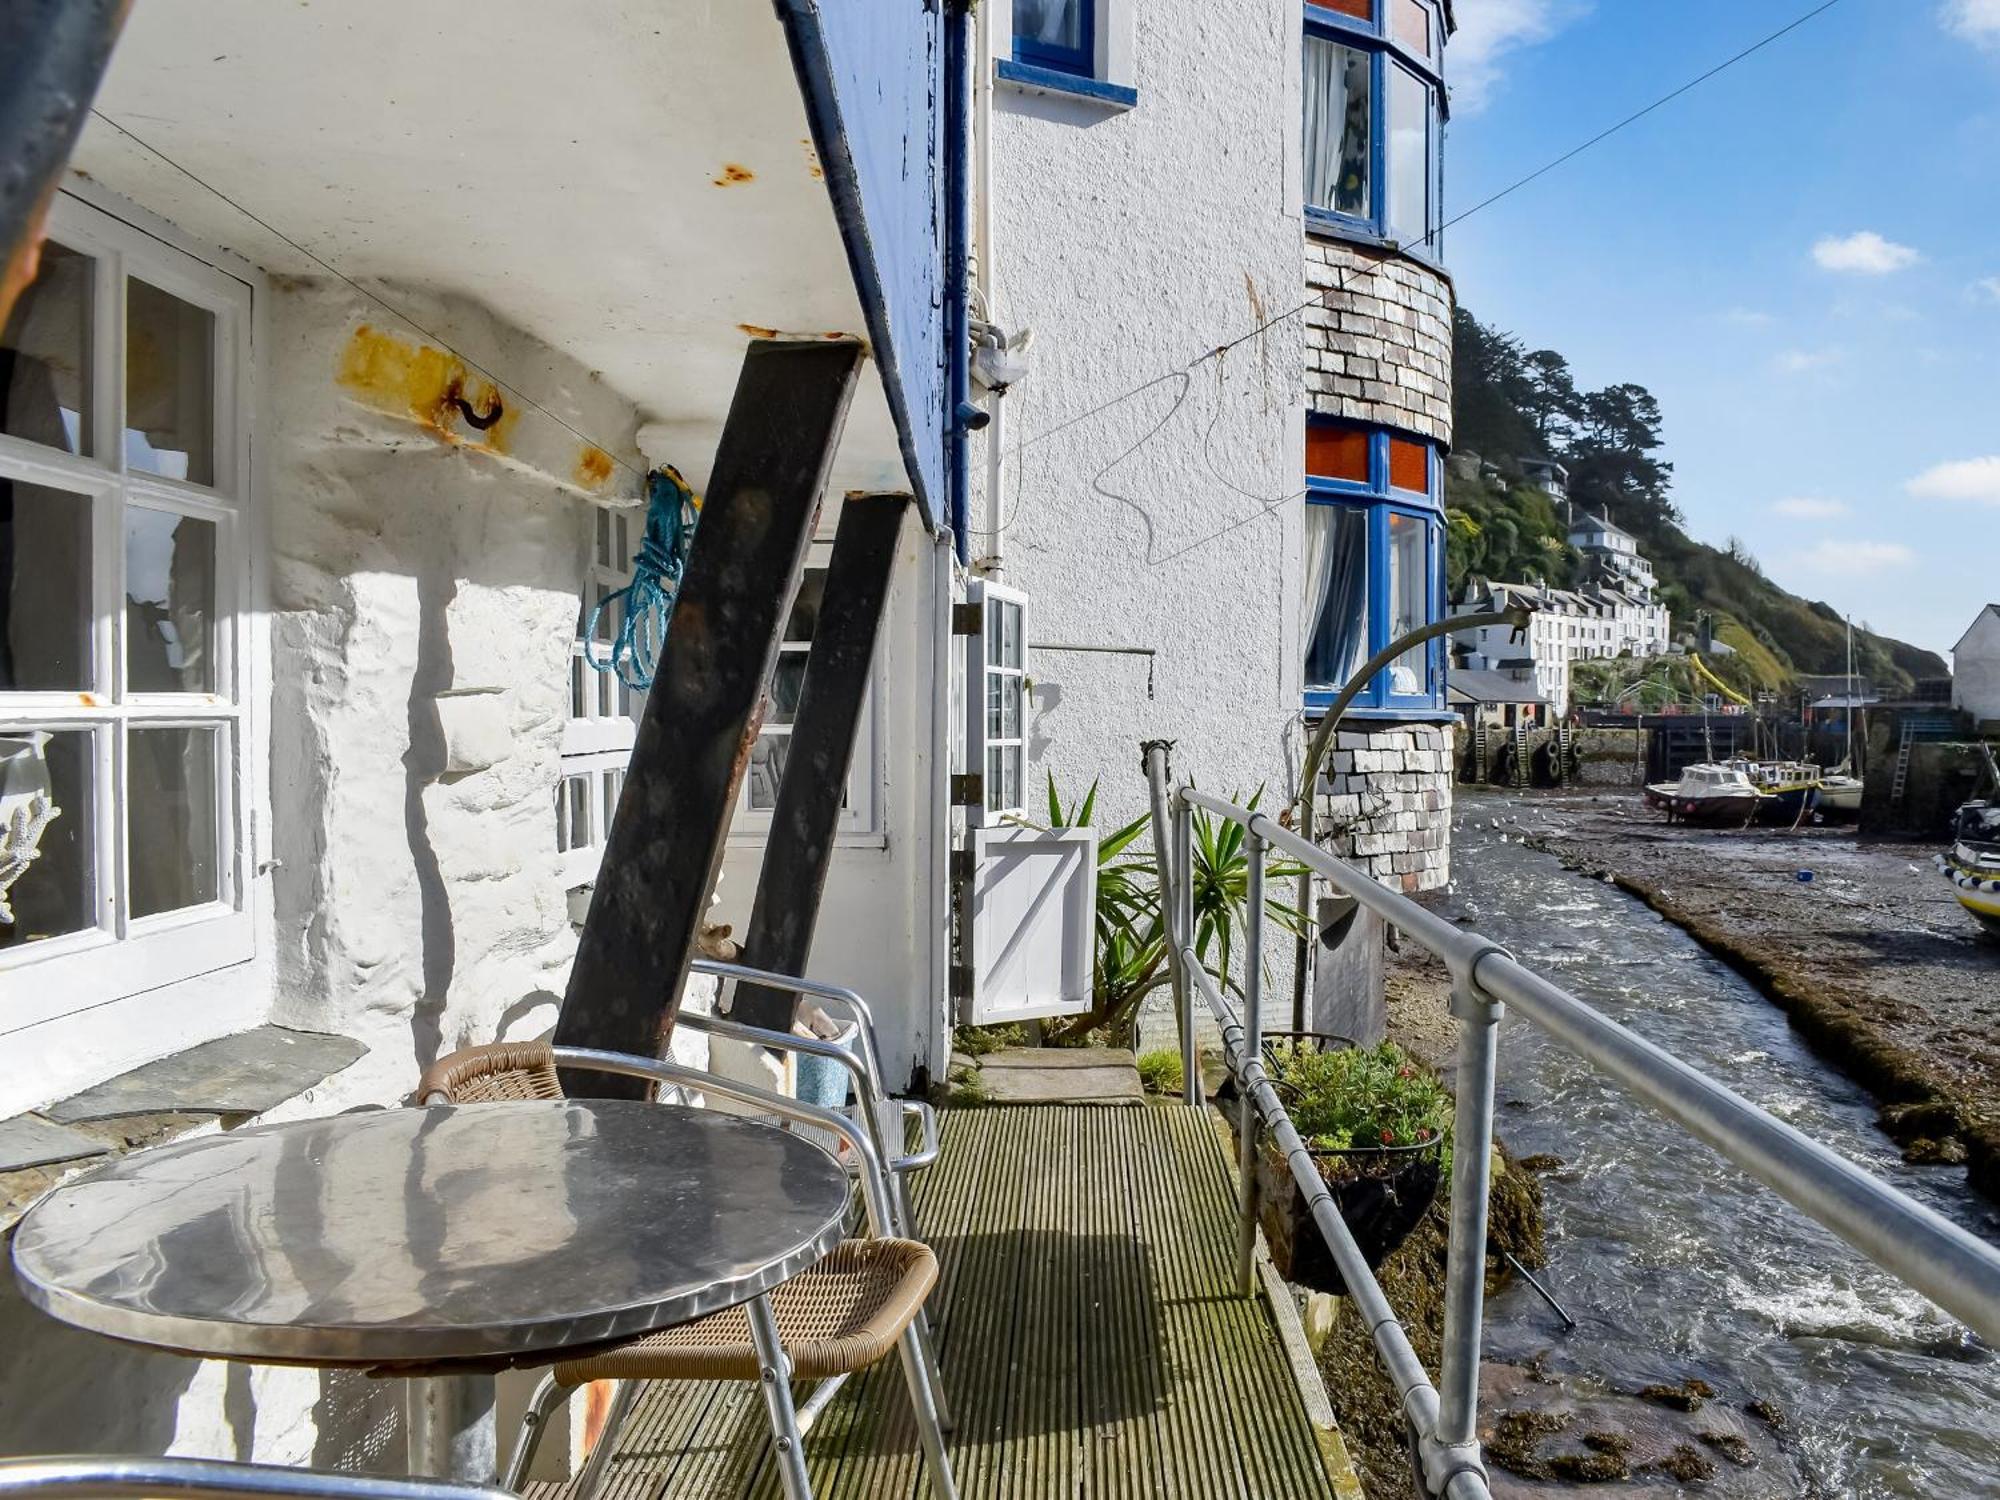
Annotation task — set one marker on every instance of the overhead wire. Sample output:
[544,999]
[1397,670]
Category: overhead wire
[395,312]
[1369,267]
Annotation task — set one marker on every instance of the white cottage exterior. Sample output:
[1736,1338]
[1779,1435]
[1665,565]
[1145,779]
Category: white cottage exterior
[1216,467]
[1975,668]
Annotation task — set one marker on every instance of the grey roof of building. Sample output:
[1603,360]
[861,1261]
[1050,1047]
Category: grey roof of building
[1489,687]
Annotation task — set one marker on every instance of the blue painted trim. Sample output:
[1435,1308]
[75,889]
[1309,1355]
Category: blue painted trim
[1379,500]
[805,39]
[957,251]
[1051,81]
[1079,61]
[1318,703]
[1372,38]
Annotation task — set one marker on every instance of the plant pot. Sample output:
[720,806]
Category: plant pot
[1381,1194]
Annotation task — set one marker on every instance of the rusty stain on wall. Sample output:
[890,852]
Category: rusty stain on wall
[427,385]
[733,173]
[813,168]
[593,466]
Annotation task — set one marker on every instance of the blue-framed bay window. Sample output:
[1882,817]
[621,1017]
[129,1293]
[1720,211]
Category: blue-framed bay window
[1374,103]
[1374,565]
[1057,34]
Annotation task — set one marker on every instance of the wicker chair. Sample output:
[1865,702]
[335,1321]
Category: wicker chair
[852,1309]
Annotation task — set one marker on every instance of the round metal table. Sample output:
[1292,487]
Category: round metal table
[474,1236]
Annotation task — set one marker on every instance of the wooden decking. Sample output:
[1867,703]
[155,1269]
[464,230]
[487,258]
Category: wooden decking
[1092,1340]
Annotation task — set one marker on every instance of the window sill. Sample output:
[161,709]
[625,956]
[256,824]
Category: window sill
[1315,711]
[1030,79]
[216,1084]
[1323,225]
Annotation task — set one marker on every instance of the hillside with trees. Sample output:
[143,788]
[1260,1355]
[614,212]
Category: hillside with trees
[1514,405]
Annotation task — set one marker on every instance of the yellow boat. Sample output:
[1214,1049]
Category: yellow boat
[1972,864]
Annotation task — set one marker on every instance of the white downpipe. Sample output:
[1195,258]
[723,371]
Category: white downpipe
[996,447]
[935,1037]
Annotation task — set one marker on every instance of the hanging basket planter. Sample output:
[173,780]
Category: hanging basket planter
[1382,1191]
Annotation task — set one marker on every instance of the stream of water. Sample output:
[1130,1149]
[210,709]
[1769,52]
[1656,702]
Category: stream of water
[1674,1262]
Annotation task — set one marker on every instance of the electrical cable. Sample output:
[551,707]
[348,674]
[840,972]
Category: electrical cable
[396,312]
[1319,297]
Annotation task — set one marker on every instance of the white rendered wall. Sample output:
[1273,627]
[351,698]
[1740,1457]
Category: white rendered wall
[1975,669]
[1131,241]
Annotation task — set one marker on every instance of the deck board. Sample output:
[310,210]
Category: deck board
[1090,1333]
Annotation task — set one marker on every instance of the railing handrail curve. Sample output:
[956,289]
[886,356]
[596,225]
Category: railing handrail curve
[1919,1246]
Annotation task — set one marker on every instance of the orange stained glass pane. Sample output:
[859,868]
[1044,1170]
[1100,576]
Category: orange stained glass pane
[1363,9]
[1411,23]
[1335,450]
[1409,465]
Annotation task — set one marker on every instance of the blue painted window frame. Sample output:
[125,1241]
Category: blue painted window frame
[1384,52]
[1079,61]
[1379,500]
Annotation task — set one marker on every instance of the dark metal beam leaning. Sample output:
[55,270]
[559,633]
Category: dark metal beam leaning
[799,849]
[665,844]
[52,57]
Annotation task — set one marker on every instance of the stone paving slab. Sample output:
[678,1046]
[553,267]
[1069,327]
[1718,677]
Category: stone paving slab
[30,1141]
[1061,1075]
[244,1074]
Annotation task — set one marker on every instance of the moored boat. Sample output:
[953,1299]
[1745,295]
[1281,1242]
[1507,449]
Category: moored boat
[1972,864]
[1839,795]
[1791,789]
[1715,796]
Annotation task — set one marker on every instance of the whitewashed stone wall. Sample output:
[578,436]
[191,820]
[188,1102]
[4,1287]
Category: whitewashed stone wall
[1380,349]
[1385,803]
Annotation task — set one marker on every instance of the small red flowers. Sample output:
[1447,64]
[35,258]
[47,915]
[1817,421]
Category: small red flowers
[1388,1137]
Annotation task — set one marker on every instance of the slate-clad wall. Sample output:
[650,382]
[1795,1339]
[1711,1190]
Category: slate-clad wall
[1379,348]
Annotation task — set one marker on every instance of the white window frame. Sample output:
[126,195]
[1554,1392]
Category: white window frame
[980,669]
[120,955]
[860,811]
[597,743]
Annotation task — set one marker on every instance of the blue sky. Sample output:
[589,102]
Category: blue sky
[1801,259]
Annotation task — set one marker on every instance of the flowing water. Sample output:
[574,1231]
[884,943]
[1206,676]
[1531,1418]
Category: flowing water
[1674,1262]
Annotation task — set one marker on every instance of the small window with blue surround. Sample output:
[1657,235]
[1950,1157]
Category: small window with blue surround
[1374,566]
[1056,34]
[1373,100]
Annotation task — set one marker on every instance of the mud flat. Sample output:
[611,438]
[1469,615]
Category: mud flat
[1878,968]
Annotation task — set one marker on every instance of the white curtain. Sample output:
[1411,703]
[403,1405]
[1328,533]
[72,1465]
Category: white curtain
[1336,82]
[1318,570]
[1051,21]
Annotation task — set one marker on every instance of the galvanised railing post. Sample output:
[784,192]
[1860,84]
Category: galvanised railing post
[1183,898]
[1157,758]
[1253,1046]
[1471,1184]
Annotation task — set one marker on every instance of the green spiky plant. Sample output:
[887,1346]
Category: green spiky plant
[1131,950]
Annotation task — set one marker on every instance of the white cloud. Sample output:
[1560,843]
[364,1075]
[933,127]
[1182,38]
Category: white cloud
[1748,317]
[1864,253]
[1809,507]
[1831,555]
[1975,20]
[1487,31]
[1989,286]
[1804,361]
[1973,480]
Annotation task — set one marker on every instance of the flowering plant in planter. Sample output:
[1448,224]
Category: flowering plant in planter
[1378,1126]
[1354,1102]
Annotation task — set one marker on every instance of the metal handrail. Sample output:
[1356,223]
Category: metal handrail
[97,1478]
[1951,1266]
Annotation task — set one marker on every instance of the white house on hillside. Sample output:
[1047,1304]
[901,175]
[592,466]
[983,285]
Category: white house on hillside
[1975,667]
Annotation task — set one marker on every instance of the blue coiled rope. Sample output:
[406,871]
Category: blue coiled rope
[672,512]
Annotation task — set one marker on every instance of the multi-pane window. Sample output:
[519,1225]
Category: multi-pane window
[123,575]
[1372,99]
[758,797]
[1374,563]
[996,694]
[603,711]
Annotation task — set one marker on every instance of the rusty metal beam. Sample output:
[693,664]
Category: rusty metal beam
[799,849]
[665,844]
[52,57]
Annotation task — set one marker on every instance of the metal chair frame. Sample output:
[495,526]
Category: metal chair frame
[788,1422]
[90,1477]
